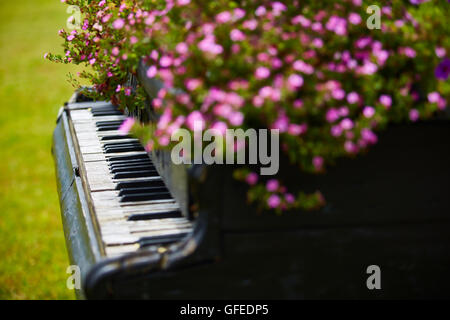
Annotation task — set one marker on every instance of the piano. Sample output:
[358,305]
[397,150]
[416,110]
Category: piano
[140,227]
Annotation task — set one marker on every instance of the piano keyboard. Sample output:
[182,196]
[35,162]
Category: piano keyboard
[133,207]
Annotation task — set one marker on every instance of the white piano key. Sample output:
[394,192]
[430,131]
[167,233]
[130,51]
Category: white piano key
[91,149]
[95,180]
[127,238]
[113,251]
[81,114]
[94,157]
[85,126]
[89,143]
[147,225]
[128,211]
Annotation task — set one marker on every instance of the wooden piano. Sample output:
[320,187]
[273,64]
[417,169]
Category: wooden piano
[140,227]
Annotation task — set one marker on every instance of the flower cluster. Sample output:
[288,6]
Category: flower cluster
[274,195]
[311,69]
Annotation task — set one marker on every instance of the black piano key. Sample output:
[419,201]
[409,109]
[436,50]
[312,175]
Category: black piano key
[129,162]
[105,110]
[139,184]
[121,144]
[106,113]
[166,239]
[108,128]
[146,197]
[132,157]
[155,215]
[131,169]
[148,166]
[128,191]
[109,123]
[135,174]
[116,137]
[124,149]
[105,107]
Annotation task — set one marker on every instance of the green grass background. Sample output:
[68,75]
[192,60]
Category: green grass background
[33,257]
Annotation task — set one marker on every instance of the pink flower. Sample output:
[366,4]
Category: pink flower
[133,40]
[195,120]
[252,178]
[151,72]
[338,94]
[126,126]
[192,84]
[119,23]
[282,123]
[262,73]
[278,7]
[297,129]
[273,201]
[289,197]
[350,147]
[220,127]
[182,48]
[250,24]
[354,18]
[238,13]
[346,124]
[368,136]
[272,185]
[295,81]
[260,11]
[237,35]
[115,51]
[332,115]
[317,162]
[164,140]
[223,17]
[386,100]
[165,61]
[301,66]
[433,97]
[442,103]
[336,131]
[149,146]
[440,52]
[236,118]
[298,104]
[409,52]
[352,97]
[368,112]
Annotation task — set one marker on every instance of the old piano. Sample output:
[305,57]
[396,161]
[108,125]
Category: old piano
[140,227]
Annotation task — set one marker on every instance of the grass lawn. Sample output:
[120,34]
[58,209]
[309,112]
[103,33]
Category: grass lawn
[33,257]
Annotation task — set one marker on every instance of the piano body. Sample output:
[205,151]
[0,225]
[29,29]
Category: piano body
[140,227]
